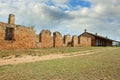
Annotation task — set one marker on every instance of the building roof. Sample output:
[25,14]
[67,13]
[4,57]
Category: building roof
[116,41]
[96,35]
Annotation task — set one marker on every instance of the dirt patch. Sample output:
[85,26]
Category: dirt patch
[14,60]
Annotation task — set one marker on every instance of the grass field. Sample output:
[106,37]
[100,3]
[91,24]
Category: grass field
[104,65]
[43,51]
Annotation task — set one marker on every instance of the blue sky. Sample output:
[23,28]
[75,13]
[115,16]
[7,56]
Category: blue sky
[66,16]
[81,3]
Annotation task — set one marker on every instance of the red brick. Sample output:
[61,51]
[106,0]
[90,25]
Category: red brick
[57,39]
[45,39]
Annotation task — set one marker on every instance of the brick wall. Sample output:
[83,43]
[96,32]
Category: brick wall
[22,36]
[45,39]
[57,39]
[75,41]
[14,36]
[67,40]
[85,41]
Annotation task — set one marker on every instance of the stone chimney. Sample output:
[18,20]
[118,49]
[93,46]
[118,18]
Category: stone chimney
[11,19]
[85,30]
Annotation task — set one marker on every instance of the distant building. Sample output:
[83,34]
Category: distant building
[89,39]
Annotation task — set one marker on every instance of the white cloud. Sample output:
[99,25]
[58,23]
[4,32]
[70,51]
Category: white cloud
[60,1]
[103,16]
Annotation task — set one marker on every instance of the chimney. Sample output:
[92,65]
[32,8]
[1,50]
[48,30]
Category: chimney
[11,19]
[106,37]
[95,33]
[85,30]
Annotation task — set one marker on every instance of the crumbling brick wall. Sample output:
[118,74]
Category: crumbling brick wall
[25,37]
[57,39]
[45,39]
[75,41]
[67,40]
[22,36]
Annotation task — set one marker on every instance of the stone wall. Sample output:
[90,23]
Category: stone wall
[45,39]
[57,39]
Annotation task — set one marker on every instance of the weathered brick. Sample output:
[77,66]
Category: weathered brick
[22,36]
[57,39]
[45,39]
[75,41]
[85,41]
[11,19]
[67,40]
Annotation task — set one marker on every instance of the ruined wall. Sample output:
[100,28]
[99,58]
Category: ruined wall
[25,37]
[57,39]
[2,31]
[14,36]
[67,40]
[45,39]
[22,36]
[75,41]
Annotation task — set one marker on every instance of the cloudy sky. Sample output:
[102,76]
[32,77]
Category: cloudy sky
[66,16]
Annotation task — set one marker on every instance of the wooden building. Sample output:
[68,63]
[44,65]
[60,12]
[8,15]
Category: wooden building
[89,39]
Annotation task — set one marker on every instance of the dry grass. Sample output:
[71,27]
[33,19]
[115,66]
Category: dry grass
[103,65]
[43,51]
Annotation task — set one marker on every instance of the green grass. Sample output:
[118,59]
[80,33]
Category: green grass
[43,51]
[104,65]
